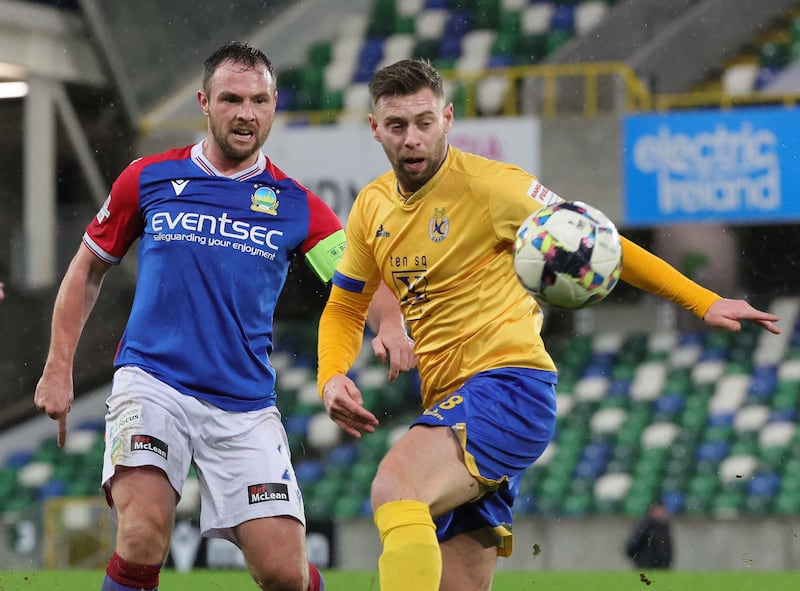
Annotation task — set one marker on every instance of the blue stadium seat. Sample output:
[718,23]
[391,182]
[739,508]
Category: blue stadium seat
[763,381]
[563,18]
[764,485]
[309,471]
[712,451]
[19,458]
[344,454]
[674,502]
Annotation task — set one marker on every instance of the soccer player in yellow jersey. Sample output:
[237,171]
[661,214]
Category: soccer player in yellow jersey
[439,230]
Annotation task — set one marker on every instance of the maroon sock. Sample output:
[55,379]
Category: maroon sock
[315,580]
[138,576]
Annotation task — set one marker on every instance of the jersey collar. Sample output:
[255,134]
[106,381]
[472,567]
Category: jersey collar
[432,182]
[241,175]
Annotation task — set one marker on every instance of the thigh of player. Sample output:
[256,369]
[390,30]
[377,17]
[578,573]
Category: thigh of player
[244,470]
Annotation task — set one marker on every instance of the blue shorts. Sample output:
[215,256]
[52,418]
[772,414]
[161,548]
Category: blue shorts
[504,420]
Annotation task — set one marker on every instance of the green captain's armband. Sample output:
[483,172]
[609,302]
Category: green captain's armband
[326,254]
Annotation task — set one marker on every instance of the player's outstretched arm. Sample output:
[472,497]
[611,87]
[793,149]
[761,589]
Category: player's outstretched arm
[646,271]
[345,406]
[725,313]
[74,302]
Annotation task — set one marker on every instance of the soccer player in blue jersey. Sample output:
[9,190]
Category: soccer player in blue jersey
[218,225]
[439,229]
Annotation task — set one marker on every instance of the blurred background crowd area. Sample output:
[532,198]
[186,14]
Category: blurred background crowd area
[651,405]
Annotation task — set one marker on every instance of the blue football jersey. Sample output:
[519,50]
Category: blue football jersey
[213,256]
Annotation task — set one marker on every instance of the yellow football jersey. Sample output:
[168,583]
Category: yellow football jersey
[446,253]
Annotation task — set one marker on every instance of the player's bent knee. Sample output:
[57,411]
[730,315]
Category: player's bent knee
[279,577]
[384,490]
[143,540]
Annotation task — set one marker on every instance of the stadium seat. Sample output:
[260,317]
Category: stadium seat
[369,56]
[589,14]
[708,371]
[612,487]
[475,50]
[563,18]
[607,421]
[674,502]
[729,394]
[668,406]
[778,434]
[34,474]
[591,389]
[789,371]
[763,381]
[564,404]
[189,503]
[486,14]
[739,79]
[659,435]
[430,24]
[409,7]
[751,418]
[536,18]
[547,456]
[737,468]
[763,484]
[397,47]
[728,504]
[382,18]
[649,381]
[578,505]
[490,95]
[321,432]
[684,355]
[357,101]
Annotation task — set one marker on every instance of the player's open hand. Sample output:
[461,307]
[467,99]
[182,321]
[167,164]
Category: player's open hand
[54,396]
[729,314]
[345,406]
[395,347]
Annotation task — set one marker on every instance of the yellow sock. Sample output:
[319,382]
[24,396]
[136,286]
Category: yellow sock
[411,557]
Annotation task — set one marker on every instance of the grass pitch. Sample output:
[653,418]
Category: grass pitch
[204,580]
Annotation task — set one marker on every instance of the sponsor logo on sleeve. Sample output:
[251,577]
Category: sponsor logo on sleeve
[267,491]
[104,212]
[538,192]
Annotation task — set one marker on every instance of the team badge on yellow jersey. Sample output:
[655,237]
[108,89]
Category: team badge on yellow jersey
[439,225]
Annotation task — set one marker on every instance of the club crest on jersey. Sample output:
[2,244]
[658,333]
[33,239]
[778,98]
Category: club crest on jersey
[439,225]
[265,200]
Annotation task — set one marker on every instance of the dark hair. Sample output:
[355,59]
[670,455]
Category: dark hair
[405,77]
[239,53]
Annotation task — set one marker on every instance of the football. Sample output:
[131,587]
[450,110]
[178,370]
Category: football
[568,255]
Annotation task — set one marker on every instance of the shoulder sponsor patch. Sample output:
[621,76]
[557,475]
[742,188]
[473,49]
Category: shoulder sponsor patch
[538,192]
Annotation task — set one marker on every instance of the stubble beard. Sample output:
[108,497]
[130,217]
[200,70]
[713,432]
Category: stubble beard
[230,152]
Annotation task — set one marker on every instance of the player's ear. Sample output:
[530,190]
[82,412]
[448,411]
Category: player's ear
[203,100]
[373,126]
[447,114]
